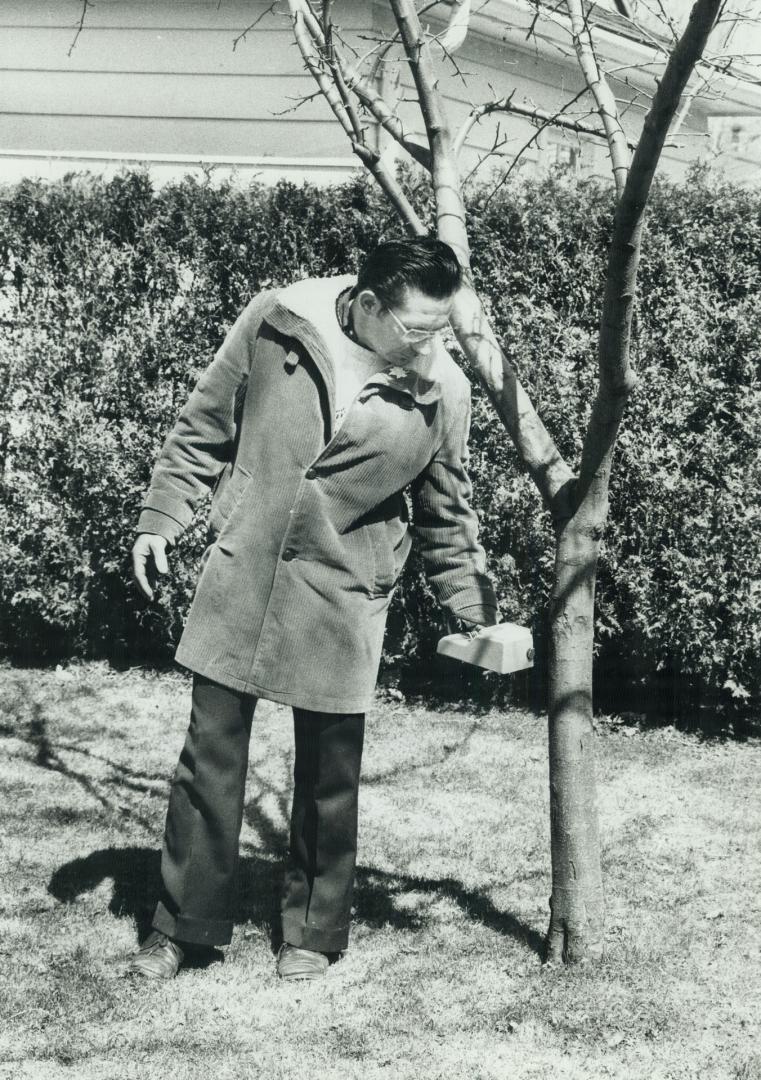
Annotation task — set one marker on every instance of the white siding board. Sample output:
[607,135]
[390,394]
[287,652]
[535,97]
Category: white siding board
[127,135]
[181,96]
[150,51]
[161,77]
[233,15]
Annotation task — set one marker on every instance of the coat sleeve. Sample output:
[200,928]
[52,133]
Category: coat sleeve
[201,443]
[446,528]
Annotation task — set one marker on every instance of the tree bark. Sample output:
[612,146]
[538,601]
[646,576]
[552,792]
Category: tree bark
[579,506]
[576,906]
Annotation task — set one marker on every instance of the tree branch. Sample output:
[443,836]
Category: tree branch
[598,86]
[306,29]
[616,377]
[331,59]
[242,35]
[388,183]
[535,447]
[86,5]
[538,116]
[375,104]
[370,98]
[308,50]
[446,182]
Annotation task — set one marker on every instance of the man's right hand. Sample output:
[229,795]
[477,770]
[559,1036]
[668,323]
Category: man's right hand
[148,560]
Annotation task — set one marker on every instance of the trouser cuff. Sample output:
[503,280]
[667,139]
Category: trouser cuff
[193,931]
[314,937]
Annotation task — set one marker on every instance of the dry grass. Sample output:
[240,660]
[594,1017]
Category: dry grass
[444,977]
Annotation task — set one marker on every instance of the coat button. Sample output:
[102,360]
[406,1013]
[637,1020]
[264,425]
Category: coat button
[311,474]
[288,555]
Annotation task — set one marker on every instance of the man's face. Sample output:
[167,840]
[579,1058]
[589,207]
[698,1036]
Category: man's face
[397,334]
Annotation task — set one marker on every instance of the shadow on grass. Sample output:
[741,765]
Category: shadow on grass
[135,872]
[376,890]
[136,876]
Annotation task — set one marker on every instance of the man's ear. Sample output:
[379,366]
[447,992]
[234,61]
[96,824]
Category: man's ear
[369,302]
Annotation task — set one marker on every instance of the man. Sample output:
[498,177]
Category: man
[326,401]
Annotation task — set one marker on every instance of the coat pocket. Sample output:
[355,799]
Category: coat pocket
[227,497]
[391,544]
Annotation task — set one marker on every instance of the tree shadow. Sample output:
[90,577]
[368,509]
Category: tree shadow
[374,903]
[381,898]
[135,873]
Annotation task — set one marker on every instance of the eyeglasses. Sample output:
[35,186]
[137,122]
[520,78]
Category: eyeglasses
[412,336]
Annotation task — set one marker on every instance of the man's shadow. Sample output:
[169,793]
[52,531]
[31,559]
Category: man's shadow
[135,872]
[381,898]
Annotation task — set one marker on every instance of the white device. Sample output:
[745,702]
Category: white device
[503,648]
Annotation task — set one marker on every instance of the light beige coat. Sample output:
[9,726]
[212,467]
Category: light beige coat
[309,525]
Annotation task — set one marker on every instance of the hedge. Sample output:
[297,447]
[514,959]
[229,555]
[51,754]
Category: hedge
[114,296]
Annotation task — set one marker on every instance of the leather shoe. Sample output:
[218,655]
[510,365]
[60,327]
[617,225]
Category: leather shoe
[158,957]
[300,964]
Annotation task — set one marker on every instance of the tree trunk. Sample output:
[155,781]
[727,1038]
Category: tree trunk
[576,905]
[579,506]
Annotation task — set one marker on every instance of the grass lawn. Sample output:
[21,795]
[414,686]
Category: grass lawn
[444,977]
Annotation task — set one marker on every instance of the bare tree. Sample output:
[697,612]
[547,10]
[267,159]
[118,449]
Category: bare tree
[577,500]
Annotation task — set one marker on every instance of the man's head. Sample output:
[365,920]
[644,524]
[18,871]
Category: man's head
[404,295]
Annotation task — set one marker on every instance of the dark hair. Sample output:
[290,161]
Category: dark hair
[423,263]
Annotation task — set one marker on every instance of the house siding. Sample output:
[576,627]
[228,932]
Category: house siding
[161,82]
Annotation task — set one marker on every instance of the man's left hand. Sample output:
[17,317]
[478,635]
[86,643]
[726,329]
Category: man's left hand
[459,625]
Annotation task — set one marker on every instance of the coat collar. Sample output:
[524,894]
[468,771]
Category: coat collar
[423,389]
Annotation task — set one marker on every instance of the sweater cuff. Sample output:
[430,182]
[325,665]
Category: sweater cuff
[153,521]
[477,604]
[479,615]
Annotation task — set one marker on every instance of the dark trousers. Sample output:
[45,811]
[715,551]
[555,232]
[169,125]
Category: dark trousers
[200,855]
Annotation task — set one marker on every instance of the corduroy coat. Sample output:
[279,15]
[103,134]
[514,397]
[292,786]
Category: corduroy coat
[309,528]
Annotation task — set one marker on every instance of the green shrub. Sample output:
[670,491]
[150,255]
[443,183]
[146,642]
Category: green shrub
[114,297]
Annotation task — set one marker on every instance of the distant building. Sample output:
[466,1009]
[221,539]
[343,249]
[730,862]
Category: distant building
[160,82]
[736,144]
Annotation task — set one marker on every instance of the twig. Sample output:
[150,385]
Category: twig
[550,122]
[498,142]
[242,35]
[538,116]
[299,102]
[86,5]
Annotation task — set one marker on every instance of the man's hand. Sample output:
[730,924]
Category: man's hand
[148,560]
[458,625]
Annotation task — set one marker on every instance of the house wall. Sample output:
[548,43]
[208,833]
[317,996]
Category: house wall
[500,57]
[159,81]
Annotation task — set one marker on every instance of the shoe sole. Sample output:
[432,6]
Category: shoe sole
[146,973]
